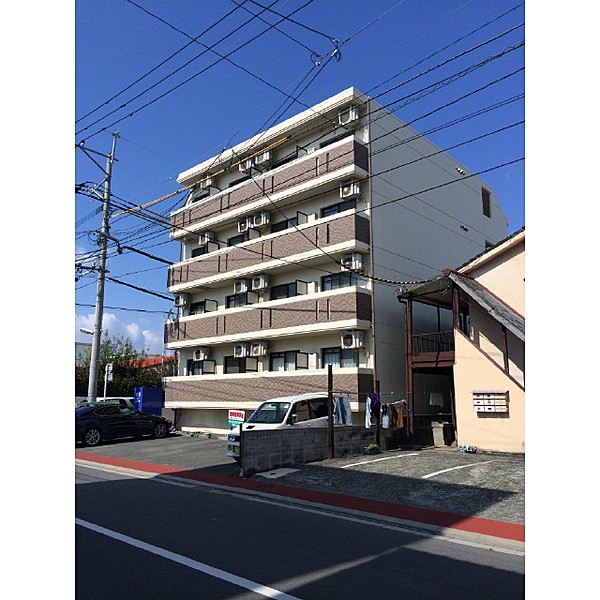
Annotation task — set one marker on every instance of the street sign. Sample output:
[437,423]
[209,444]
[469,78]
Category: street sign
[236,417]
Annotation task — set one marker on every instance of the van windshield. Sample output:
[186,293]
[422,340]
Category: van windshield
[270,412]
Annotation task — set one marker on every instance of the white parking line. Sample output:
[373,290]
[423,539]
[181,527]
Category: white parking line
[365,462]
[454,468]
[263,590]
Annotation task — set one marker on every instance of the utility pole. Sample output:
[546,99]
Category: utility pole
[95,356]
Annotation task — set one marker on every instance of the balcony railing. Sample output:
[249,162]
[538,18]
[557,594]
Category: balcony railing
[440,341]
[321,163]
[287,243]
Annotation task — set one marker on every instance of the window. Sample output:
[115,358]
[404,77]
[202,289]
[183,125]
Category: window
[309,409]
[197,308]
[200,251]
[288,361]
[485,197]
[282,225]
[338,358]
[236,300]
[238,239]
[301,410]
[338,280]
[339,207]
[233,364]
[200,367]
[286,290]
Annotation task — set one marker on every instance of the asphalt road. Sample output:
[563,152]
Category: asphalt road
[478,485]
[147,537]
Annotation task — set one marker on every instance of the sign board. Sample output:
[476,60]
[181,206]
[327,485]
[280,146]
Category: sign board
[236,417]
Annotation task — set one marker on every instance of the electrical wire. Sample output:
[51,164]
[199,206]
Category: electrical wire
[142,77]
[176,87]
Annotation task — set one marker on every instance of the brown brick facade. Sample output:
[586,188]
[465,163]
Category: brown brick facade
[339,307]
[346,154]
[349,227]
[183,391]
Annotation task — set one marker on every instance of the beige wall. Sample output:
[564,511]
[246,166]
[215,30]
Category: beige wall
[504,275]
[473,371]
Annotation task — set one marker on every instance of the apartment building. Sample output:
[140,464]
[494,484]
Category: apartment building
[466,377]
[291,244]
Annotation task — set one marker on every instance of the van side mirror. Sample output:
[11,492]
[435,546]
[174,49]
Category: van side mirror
[292,419]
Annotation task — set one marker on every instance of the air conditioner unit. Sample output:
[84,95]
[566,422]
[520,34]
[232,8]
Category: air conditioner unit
[352,261]
[201,353]
[246,165]
[347,115]
[240,286]
[258,348]
[261,219]
[349,189]
[240,350]
[264,158]
[244,225]
[210,305]
[203,185]
[180,300]
[352,339]
[205,237]
[260,282]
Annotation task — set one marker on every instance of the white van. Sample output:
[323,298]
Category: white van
[305,410]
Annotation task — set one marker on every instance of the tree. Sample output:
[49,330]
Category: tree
[127,372]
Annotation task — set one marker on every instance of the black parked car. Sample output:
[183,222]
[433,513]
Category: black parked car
[95,423]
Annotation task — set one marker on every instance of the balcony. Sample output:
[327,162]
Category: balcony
[264,320]
[316,165]
[220,264]
[248,391]
[434,349]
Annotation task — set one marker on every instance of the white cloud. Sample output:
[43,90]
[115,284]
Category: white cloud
[142,338]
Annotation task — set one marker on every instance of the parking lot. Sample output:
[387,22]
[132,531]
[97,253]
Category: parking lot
[481,485]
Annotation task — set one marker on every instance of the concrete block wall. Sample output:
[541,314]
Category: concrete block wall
[266,450]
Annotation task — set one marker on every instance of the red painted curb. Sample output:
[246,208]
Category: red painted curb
[509,531]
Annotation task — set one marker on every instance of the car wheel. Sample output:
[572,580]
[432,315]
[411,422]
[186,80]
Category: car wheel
[160,430]
[92,437]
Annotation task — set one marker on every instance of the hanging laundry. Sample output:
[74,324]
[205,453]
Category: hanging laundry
[342,414]
[375,404]
[397,415]
[385,416]
[368,413]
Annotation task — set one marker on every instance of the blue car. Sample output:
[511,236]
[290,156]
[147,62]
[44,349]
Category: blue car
[96,423]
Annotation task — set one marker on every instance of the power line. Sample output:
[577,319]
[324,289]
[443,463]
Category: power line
[161,63]
[186,80]
[143,310]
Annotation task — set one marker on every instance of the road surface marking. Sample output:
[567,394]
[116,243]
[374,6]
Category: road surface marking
[454,469]
[258,588]
[364,462]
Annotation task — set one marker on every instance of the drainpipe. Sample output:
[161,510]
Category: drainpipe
[410,425]
[371,258]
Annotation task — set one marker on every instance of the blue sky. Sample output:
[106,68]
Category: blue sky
[231,82]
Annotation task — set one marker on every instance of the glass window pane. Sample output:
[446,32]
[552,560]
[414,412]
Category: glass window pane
[277,361]
[331,356]
[349,359]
